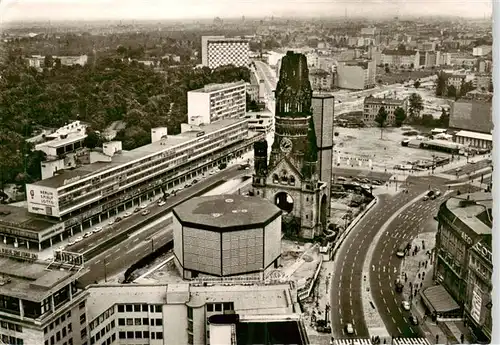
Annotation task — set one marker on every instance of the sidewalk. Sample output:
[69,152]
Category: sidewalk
[420,276]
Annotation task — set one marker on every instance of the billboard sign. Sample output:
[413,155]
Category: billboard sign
[477,301]
[42,200]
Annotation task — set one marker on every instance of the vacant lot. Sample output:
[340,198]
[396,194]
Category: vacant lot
[399,76]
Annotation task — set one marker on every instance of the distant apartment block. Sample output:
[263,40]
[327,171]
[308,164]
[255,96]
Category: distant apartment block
[401,58]
[372,106]
[482,50]
[484,65]
[356,75]
[38,61]
[321,79]
[456,80]
[219,51]
[216,102]
[465,60]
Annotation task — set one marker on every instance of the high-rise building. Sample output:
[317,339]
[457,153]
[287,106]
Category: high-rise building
[323,114]
[356,75]
[291,179]
[215,102]
[219,51]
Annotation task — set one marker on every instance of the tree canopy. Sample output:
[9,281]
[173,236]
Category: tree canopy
[381,119]
[400,116]
[415,105]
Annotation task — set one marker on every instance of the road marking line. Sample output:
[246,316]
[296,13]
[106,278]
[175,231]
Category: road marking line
[388,309]
[117,250]
[404,318]
[383,298]
[393,319]
[98,261]
[107,256]
[399,330]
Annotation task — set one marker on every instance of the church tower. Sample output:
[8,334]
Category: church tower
[291,179]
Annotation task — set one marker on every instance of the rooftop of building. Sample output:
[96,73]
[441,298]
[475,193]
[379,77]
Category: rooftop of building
[226,212]
[63,140]
[262,299]
[20,217]
[218,87]
[399,52]
[281,332]
[32,281]
[124,157]
[318,71]
[474,210]
[382,101]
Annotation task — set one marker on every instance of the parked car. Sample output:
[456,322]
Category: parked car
[137,209]
[111,222]
[87,234]
[146,212]
[78,239]
[127,214]
[406,305]
[161,203]
[117,219]
[97,229]
[71,242]
[143,206]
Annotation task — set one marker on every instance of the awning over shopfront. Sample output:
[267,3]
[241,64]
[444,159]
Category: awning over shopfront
[438,300]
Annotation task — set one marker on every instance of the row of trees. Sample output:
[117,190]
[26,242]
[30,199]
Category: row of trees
[445,90]
[109,90]
[414,117]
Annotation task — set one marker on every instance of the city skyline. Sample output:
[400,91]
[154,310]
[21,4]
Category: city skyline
[194,9]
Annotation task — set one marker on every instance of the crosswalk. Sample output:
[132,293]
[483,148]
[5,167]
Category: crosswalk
[395,341]
[411,341]
[352,341]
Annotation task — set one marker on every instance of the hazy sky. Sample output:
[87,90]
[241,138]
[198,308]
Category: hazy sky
[178,9]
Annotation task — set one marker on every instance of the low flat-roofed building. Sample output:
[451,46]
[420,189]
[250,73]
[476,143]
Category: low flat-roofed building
[463,222]
[179,313]
[42,301]
[103,189]
[260,121]
[225,235]
[474,139]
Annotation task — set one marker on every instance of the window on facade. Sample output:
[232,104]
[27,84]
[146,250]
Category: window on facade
[129,308]
[137,321]
[189,312]
[153,336]
[159,322]
[145,321]
[81,305]
[130,322]
[190,325]
[218,306]
[145,334]
[121,322]
[70,328]
[122,335]
[83,318]
[83,333]
[130,335]
[121,308]
[145,307]
[112,323]
[190,339]
[64,332]
[137,308]
[158,308]
[159,335]
[70,341]
[138,334]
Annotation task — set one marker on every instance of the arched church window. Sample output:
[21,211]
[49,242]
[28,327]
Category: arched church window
[275,178]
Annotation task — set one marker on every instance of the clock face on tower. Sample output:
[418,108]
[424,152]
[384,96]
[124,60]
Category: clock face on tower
[286,145]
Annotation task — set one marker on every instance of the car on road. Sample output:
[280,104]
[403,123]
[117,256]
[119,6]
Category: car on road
[111,222]
[161,203]
[143,206]
[212,172]
[187,185]
[405,305]
[87,234]
[117,219]
[127,214]
[413,320]
[398,285]
[425,198]
[61,248]
[137,209]
[195,181]
[97,229]
[146,212]
[71,242]
[349,328]
[78,239]
[437,193]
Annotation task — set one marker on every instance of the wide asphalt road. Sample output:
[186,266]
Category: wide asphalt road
[124,255]
[385,265]
[346,295]
[184,194]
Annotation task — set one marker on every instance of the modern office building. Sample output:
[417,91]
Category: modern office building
[260,121]
[482,50]
[187,313]
[463,259]
[41,302]
[215,102]
[372,106]
[226,235]
[75,199]
[219,51]
[356,74]
[323,107]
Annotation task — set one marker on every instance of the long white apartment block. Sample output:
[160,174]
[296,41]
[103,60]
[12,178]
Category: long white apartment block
[88,185]
[215,102]
[219,51]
